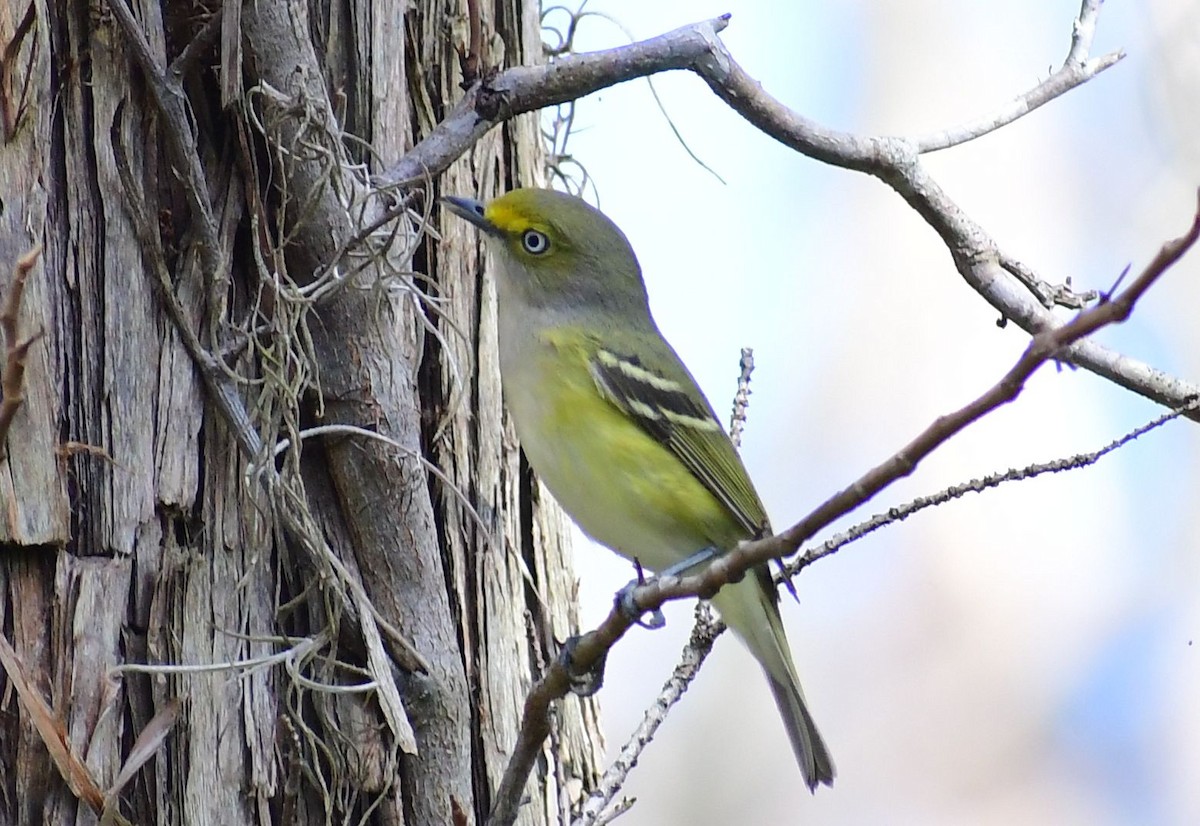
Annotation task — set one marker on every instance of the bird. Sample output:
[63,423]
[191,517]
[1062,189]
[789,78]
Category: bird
[616,427]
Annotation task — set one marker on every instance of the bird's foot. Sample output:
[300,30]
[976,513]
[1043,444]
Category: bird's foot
[654,619]
[684,565]
[586,683]
[627,605]
[786,580]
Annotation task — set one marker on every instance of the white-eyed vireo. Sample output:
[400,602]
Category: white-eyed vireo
[614,424]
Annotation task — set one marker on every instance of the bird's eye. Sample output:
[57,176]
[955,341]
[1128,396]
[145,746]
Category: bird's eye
[535,242]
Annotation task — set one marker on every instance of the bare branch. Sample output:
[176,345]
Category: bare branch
[894,160]
[167,93]
[696,48]
[597,808]
[1049,295]
[1083,32]
[527,88]
[1044,346]
[147,744]
[1076,70]
[992,480]
[741,401]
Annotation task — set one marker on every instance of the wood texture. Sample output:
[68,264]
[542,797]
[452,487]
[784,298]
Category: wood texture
[133,532]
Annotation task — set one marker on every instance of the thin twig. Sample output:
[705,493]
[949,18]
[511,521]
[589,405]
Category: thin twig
[598,808]
[741,400]
[13,106]
[298,649]
[992,480]
[472,62]
[167,93]
[147,744]
[658,101]
[197,46]
[1077,68]
[1049,295]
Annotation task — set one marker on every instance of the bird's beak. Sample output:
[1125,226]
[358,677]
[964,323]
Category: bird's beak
[471,210]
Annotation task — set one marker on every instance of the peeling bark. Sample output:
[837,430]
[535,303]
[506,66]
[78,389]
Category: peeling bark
[132,530]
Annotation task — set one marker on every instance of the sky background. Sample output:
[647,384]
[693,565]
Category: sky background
[1027,655]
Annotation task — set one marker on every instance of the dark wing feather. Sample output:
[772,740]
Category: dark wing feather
[658,393]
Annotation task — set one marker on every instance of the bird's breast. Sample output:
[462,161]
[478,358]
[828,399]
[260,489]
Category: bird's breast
[620,485]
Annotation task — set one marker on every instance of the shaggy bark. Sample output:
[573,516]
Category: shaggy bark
[135,530]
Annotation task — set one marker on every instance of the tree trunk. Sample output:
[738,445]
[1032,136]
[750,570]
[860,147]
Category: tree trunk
[141,524]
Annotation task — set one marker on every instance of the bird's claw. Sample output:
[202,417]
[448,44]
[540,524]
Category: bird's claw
[581,684]
[684,566]
[785,580]
[625,602]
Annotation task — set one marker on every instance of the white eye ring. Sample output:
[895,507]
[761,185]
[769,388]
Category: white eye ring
[534,242]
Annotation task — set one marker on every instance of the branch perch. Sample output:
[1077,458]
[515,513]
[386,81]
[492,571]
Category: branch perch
[992,480]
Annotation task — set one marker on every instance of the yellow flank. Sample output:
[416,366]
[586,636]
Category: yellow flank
[599,462]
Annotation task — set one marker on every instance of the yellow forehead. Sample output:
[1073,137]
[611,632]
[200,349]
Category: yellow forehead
[506,216]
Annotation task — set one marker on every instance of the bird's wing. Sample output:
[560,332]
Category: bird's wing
[656,390]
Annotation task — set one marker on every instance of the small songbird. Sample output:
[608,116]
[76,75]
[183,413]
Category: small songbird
[615,425]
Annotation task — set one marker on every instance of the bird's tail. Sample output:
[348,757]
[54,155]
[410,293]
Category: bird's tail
[811,753]
[750,608]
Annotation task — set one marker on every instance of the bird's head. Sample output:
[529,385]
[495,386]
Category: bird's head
[555,247]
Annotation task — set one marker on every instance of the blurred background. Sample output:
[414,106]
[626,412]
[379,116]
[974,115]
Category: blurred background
[1026,655]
